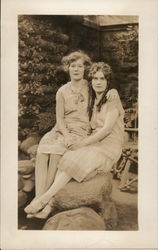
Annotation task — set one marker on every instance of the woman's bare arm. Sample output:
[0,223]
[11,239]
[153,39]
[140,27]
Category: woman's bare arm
[110,120]
[60,114]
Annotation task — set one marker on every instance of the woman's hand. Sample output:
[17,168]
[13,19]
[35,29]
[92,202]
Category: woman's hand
[77,145]
[68,141]
[112,94]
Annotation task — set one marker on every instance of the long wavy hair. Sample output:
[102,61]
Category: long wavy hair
[106,70]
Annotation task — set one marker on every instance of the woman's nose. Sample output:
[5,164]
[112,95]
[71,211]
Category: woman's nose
[76,68]
[97,81]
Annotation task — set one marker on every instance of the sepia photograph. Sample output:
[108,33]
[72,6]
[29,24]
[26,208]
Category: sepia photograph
[78,122]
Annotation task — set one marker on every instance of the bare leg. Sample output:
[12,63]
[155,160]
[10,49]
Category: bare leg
[52,169]
[41,170]
[58,173]
[43,214]
[60,181]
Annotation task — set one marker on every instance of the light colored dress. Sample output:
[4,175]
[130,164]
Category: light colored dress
[79,163]
[75,117]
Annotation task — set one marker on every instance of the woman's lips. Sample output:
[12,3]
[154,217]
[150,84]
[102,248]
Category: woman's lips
[98,86]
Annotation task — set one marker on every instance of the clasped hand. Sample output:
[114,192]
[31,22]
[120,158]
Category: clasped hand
[77,145]
[72,144]
[68,141]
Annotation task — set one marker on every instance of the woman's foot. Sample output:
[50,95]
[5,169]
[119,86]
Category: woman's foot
[44,213]
[35,206]
[30,216]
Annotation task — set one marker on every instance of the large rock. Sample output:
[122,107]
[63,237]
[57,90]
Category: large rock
[22,155]
[83,218]
[94,193]
[26,166]
[91,192]
[109,213]
[22,198]
[20,182]
[28,142]
[19,143]
[28,185]
[32,151]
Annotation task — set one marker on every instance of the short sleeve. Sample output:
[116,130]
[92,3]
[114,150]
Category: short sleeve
[59,94]
[116,104]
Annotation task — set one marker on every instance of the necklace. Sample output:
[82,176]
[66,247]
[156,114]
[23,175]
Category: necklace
[78,96]
[76,90]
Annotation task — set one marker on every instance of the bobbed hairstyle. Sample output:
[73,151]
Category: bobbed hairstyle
[106,70]
[74,56]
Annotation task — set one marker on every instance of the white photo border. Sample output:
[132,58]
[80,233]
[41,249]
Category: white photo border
[146,236]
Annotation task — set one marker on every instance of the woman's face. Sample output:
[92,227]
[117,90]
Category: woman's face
[76,70]
[99,82]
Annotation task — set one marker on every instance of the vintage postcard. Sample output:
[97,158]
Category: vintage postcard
[79,124]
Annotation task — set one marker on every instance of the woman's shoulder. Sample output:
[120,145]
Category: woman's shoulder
[116,103]
[64,88]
